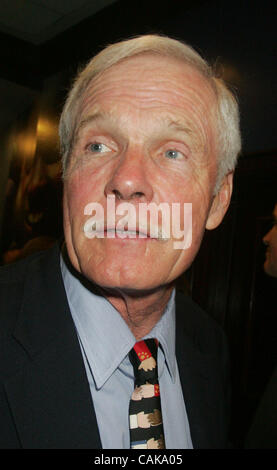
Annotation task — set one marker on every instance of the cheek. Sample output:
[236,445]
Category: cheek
[196,192]
[188,189]
[82,191]
[274,249]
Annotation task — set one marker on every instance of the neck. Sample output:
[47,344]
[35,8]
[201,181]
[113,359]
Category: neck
[141,311]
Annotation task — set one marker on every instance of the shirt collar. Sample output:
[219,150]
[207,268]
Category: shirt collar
[165,333]
[105,337]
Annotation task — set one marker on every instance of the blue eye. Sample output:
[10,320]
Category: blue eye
[172,154]
[97,147]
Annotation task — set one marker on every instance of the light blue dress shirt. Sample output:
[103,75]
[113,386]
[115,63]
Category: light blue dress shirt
[105,341]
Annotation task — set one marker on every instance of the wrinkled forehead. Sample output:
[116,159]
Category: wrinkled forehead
[147,77]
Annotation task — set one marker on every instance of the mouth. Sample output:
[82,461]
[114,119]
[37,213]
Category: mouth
[130,233]
[141,232]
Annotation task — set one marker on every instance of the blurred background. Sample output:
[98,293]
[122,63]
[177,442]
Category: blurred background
[42,45]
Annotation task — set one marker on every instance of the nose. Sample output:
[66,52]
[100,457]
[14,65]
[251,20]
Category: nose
[129,180]
[266,238]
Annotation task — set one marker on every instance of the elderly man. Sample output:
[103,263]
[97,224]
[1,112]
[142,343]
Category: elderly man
[99,349]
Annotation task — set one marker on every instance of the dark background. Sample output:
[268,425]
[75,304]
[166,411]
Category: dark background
[227,278]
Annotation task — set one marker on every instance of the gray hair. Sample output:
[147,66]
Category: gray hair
[228,133]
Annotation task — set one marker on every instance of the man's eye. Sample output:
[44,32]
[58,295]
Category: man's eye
[173,154]
[97,147]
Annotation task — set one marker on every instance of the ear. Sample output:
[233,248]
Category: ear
[221,202]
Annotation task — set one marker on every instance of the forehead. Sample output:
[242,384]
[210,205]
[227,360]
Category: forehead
[147,82]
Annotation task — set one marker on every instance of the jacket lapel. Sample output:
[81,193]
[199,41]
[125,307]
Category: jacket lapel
[199,379]
[50,397]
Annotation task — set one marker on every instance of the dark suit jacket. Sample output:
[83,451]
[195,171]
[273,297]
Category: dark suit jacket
[45,400]
[263,431]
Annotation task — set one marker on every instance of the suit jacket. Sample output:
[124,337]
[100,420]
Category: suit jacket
[45,400]
[263,431]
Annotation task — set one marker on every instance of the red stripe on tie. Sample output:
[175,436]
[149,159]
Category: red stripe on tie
[142,351]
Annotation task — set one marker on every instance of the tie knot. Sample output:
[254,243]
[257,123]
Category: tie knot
[143,357]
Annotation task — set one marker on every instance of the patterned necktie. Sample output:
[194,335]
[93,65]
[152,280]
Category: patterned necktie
[146,427]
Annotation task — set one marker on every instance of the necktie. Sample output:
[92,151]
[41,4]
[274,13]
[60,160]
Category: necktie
[146,427]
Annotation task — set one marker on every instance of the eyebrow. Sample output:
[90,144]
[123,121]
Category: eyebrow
[97,116]
[178,125]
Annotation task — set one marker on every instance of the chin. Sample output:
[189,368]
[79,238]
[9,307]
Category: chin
[121,279]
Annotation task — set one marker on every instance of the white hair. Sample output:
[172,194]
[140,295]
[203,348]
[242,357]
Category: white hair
[228,133]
